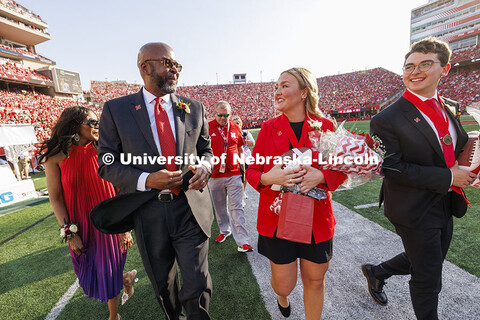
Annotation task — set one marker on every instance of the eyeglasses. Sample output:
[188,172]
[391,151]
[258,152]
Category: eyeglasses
[168,63]
[223,115]
[92,123]
[422,66]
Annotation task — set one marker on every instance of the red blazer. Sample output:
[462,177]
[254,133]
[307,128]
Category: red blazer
[273,140]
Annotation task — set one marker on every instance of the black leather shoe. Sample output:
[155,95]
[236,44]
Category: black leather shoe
[285,311]
[375,286]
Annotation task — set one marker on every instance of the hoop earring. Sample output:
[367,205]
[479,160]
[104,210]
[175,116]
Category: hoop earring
[76,137]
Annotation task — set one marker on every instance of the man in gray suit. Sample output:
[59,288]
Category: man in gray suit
[172,227]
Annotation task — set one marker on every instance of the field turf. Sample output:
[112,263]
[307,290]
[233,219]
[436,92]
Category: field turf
[36,270]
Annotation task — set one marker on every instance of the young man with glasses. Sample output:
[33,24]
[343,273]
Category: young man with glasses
[423,185]
[226,182]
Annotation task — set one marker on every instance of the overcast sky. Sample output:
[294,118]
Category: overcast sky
[217,38]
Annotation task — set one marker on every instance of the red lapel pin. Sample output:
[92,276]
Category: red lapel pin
[138,107]
[279,133]
[417,120]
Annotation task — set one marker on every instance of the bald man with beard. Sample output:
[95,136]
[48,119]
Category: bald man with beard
[173,225]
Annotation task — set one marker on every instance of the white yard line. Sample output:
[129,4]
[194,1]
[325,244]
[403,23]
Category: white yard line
[364,206]
[13,210]
[57,309]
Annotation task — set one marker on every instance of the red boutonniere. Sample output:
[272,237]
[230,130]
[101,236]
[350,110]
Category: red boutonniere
[181,105]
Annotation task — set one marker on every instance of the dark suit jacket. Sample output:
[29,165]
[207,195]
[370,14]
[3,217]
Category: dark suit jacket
[416,175]
[125,128]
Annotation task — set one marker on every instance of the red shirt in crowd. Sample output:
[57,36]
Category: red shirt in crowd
[235,141]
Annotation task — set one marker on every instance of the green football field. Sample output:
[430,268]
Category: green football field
[36,270]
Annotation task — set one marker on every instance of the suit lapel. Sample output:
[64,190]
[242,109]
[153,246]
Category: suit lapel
[462,137]
[179,116]
[414,116]
[140,115]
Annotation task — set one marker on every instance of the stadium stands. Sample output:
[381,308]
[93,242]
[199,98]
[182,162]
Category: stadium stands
[357,89]
[102,91]
[462,85]
[253,102]
[40,110]
[465,54]
[14,6]
[9,69]
[24,52]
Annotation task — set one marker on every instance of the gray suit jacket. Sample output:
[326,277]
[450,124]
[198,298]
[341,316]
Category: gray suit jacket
[125,128]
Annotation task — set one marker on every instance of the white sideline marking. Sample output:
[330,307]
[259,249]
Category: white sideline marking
[343,189]
[363,206]
[55,312]
[15,209]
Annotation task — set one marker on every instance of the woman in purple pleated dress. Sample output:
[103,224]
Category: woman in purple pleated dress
[74,188]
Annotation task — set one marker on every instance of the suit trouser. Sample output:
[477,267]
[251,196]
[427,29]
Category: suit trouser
[168,235]
[425,249]
[233,219]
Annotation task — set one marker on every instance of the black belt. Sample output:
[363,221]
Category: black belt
[167,196]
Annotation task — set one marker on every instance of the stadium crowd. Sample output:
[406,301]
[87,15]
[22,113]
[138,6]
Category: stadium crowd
[357,89]
[23,51]
[10,68]
[253,102]
[40,110]
[102,91]
[462,85]
[465,54]
[14,6]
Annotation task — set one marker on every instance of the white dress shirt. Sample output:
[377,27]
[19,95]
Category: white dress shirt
[168,106]
[150,104]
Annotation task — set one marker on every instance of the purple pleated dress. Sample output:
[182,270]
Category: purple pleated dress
[100,269]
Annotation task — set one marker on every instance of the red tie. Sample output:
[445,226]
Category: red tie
[166,139]
[448,150]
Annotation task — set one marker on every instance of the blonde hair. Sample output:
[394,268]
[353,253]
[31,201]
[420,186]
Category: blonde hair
[306,80]
[237,117]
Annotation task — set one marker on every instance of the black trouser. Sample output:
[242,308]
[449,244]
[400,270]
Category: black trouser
[168,235]
[425,249]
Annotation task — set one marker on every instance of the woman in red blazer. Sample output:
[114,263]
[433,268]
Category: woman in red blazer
[296,97]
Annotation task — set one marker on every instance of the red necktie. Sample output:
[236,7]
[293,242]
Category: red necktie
[448,150]
[166,139]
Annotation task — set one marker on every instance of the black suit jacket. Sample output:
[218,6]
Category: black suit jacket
[416,175]
[125,128]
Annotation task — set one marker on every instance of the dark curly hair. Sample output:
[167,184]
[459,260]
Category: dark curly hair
[63,132]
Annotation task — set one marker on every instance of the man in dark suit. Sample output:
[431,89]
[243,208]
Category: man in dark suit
[423,186]
[173,227]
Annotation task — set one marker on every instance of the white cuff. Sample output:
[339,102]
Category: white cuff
[142,179]
[207,165]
